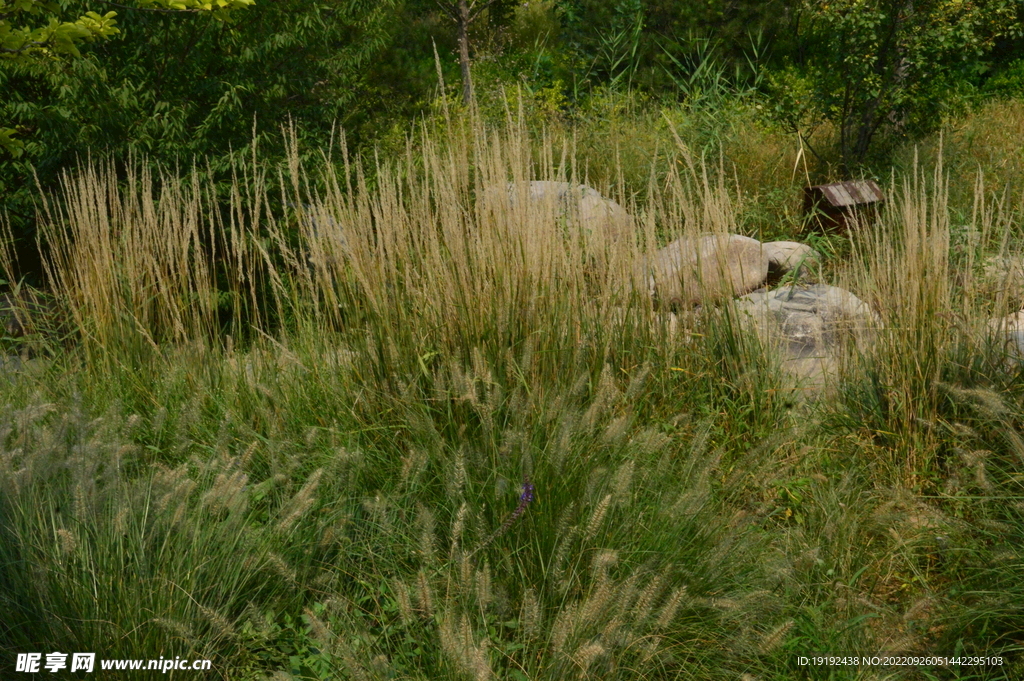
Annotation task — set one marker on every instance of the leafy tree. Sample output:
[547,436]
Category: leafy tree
[878,64]
[35,47]
[464,13]
[179,88]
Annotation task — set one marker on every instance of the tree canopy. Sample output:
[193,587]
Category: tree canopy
[880,62]
[32,34]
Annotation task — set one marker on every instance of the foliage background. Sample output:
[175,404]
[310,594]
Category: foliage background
[184,88]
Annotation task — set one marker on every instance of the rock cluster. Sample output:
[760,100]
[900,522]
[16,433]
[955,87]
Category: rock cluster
[807,324]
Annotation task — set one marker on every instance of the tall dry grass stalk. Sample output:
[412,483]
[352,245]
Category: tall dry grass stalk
[902,268]
[445,257]
[482,342]
[443,254]
[929,301]
[132,260]
[928,276]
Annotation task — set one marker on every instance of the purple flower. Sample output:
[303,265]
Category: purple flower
[524,500]
[527,495]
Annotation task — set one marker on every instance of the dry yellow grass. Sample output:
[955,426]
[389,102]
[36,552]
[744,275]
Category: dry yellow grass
[436,253]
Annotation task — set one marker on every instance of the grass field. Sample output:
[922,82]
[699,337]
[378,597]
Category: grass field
[413,431]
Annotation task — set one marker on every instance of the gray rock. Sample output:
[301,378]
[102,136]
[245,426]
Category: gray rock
[1003,274]
[10,364]
[698,270]
[14,368]
[1010,331]
[786,256]
[809,326]
[603,221]
[593,210]
[26,312]
[10,324]
[322,226]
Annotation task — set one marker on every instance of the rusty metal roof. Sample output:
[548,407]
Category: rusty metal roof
[855,193]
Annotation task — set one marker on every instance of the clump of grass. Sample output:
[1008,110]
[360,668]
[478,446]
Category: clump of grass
[99,559]
[932,305]
[903,270]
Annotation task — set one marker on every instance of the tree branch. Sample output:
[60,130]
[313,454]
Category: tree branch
[448,9]
[474,12]
[151,9]
[24,48]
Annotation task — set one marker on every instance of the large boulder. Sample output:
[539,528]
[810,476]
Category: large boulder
[786,256]
[1003,274]
[809,326]
[603,221]
[1009,332]
[327,242]
[594,211]
[703,269]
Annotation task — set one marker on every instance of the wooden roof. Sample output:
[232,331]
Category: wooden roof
[854,193]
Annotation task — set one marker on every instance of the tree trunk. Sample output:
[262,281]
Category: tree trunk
[863,121]
[467,83]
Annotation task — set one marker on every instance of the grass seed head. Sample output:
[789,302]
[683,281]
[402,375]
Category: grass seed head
[530,614]
[456,481]
[458,526]
[228,493]
[604,561]
[622,483]
[671,607]
[425,520]
[483,586]
[218,623]
[617,429]
[920,609]
[645,603]
[300,503]
[402,598]
[320,631]
[424,594]
[586,654]
[67,542]
[412,464]
[174,627]
[281,567]
[594,608]
[775,638]
[563,627]
[597,518]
